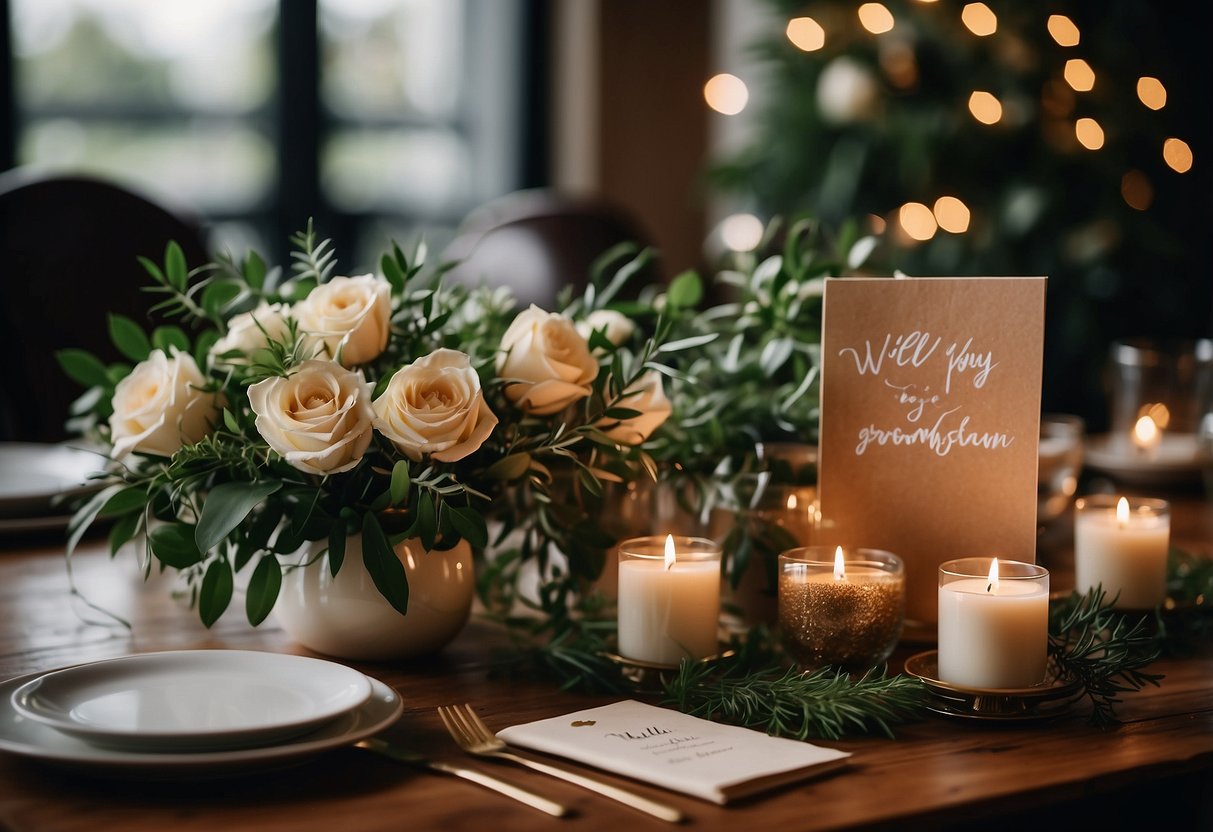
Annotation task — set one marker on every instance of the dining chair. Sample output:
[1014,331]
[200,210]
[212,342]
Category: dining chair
[69,248]
[537,241]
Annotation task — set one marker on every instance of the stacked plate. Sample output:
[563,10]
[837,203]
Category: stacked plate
[36,480]
[191,713]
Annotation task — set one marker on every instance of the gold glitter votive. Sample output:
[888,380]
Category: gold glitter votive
[840,607]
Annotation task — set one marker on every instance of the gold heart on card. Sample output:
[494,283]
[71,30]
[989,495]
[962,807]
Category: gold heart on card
[581,723]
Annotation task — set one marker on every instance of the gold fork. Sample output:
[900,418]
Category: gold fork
[474,737]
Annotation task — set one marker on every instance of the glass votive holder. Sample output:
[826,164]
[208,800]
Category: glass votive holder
[669,599]
[1059,463]
[1121,545]
[840,607]
[993,623]
[1170,382]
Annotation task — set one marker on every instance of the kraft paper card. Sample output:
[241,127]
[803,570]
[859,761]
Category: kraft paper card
[930,419]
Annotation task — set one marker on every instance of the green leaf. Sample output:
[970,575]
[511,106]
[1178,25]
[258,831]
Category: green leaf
[174,545]
[427,520]
[129,338]
[124,502]
[337,538]
[226,507]
[174,266]
[216,594]
[263,589]
[385,569]
[254,270]
[686,290]
[123,530]
[169,337]
[510,467]
[230,422]
[202,346]
[217,296]
[83,367]
[470,525]
[392,273]
[400,482]
[687,343]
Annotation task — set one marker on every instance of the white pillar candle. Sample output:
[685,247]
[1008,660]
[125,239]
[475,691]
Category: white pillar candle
[669,599]
[1121,545]
[993,623]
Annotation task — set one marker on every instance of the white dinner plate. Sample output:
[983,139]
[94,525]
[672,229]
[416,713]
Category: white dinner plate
[192,700]
[33,474]
[27,738]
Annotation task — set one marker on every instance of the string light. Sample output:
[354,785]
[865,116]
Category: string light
[1089,133]
[741,232]
[918,221]
[726,94]
[979,19]
[875,18]
[1063,30]
[1151,92]
[952,214]
[985,107]
[806,34]
[1177,155]
[1136,190]
[1079,75]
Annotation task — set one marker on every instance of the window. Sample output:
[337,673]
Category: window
[380,118]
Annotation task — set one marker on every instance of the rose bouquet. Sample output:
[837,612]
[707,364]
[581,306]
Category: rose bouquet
[269,410]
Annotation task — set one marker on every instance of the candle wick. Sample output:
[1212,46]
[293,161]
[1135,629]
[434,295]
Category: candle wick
[989,586]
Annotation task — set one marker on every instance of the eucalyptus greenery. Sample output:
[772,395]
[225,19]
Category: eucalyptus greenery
[227,501]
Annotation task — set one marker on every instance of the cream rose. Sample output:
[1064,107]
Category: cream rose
[435,406]
[249,332]
[350,315]
[648,396]
[161,407]
[319,418]
[616,326]
[546,363]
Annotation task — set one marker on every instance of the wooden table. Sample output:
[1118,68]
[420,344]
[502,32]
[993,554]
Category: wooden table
[937,774]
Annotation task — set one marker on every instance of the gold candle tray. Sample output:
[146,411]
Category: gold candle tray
[1048,700]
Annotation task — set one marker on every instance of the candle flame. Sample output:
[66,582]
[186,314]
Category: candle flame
[1122,512]
[791,501]
[840,569]
[669,552]
[1146,434]
[993,585]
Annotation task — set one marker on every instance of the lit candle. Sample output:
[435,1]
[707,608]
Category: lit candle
[1146,436]
[669,599]
[847,612]
[1121,545]
[993,623]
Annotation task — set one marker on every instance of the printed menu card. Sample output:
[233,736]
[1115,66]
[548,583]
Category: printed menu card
[670,749]
[930,418]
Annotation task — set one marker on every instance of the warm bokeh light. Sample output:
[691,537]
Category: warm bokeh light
[1146,434]
[726,94]
[1177,155]
[877,224]
[899,64]
[952,214]
[1136,190]
[741,232]
[1089,133]
[875,18]
[979,18]
[1057,99]
[1063,30]
[917,220]
[1079,75]
[985,107]
[806,33]
[1151,92]
[1157,411]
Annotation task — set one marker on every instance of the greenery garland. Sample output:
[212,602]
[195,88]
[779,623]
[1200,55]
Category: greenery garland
[566,636]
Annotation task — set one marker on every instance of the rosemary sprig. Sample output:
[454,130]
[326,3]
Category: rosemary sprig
[1103,649]
[824,703]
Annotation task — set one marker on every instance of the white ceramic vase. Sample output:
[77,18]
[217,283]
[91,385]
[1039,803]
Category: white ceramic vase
[346,616]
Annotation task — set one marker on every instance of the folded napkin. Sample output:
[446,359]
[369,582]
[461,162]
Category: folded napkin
[683,753]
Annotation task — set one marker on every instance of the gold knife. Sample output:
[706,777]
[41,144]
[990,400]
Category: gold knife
[400,755]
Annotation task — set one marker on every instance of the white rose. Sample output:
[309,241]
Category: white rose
[648,396]
[161,407]
[546,363]
[319,418]
[435,406]
[616,326]
[350,315]
[249,332]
